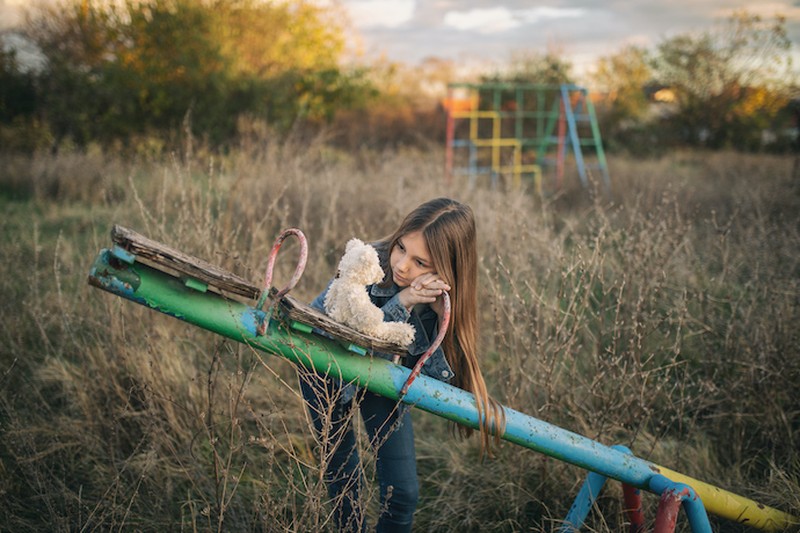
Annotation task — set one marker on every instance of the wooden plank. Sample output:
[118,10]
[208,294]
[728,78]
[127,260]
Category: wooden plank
[179,264]
[308,315]
[160,254]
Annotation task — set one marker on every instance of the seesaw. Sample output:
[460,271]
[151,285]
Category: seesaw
[188,288]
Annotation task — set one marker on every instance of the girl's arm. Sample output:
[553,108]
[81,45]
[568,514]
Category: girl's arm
[395,311]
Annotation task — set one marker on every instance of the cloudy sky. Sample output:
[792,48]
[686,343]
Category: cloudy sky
[492,30]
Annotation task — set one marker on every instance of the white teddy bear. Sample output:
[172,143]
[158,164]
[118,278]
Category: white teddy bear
[347,300]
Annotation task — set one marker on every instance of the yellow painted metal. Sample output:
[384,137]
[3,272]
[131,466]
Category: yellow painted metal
[521,168]
[517,165]
[496,148]
[728,505]
[537,179]
[474,117]
[496,142]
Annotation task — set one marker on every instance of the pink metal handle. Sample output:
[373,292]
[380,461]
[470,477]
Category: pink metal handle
[432,348]
[298,271]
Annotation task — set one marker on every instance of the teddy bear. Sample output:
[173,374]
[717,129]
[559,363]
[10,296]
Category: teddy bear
[348,302]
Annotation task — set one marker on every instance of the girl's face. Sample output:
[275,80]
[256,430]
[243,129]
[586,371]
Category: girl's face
[410,259]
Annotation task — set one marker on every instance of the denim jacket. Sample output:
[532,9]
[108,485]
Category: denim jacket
[422,317]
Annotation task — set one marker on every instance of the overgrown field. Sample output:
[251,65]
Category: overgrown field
[663,316]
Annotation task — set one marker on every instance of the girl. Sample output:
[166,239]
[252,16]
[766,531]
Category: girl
[433,250]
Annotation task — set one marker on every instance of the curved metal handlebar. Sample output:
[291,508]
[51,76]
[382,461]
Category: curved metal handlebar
[298,271]
[432,348]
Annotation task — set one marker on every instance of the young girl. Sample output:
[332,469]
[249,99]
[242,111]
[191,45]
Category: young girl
[433,250]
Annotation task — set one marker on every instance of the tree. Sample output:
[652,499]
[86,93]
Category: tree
[17,96]
[549,68]
[266,39]
[623,109]
[72,37]
[622,78]
[729,83]
[118,68]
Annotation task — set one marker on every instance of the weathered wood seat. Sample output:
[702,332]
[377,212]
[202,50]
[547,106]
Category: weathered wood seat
[176,263]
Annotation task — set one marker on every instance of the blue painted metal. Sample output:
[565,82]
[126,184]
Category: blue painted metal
[123,255]
[583,503]
[235,320]
[586,498]
[573,135]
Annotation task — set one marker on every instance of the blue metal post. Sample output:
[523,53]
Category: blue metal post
[583,503]
[573,133]
[587,497]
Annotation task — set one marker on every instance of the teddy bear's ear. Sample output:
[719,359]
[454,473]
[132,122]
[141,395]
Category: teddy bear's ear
[353,243]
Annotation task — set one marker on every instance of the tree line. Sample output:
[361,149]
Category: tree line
[116,71]
[731,86]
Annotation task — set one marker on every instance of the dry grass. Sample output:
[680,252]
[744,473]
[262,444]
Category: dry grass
[663,317]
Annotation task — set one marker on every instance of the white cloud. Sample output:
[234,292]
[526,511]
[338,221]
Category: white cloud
[384,13]
[489,20]
[538,14]
[499,19]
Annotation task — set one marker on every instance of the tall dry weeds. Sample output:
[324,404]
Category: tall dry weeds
[662,317]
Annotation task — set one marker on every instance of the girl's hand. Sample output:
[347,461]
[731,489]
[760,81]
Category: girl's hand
[425,289]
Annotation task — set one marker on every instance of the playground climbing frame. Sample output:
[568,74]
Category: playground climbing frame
[522,131]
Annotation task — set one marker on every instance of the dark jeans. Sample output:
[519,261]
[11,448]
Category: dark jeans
[391,435]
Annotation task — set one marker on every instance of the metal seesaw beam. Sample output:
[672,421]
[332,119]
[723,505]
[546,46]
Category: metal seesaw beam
[162,292]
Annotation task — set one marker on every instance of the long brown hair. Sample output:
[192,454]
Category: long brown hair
[449,231]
